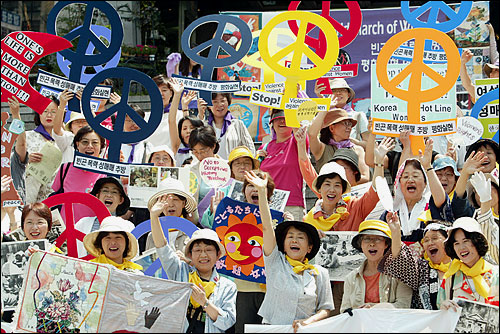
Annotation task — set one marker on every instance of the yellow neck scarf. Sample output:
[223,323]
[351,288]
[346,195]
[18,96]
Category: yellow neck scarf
[476,273]
[299,267]
[126,264]
[196,280]
[441,266]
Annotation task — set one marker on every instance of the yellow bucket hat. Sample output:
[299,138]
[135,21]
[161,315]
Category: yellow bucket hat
[240,152]
[371,227]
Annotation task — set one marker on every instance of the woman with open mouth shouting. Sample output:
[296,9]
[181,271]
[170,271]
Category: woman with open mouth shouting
[298,293]
[72,179]
[114,244]
[380,290]
[470,276]
[422,275]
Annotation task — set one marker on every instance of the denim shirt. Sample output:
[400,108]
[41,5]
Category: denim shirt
[290,296]
[223,297]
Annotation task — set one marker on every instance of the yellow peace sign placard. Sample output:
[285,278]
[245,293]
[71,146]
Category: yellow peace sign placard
[414,95]
[298,49]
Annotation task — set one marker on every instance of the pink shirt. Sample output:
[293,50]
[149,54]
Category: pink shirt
[77,180]
[282,164]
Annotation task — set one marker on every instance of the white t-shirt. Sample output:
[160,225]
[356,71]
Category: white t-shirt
[64,143]
[161,136]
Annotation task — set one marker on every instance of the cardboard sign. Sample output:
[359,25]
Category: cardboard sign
[117,136]
[215,172]
[11,197]
[20,51]
[50,80]
[211,86]
[487,113]
[246,88]
[100,166]
[434,8]
[239,228]
[103,52]
[414,94]
[70,234]
[265,99]
[294,74]
[469,130]
[212,61]
[394,128]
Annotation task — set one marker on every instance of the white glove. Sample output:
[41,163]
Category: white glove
[482,186]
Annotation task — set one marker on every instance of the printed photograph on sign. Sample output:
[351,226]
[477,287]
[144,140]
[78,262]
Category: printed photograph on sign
[337,254]
[277,202]
[13,261]
[477,317]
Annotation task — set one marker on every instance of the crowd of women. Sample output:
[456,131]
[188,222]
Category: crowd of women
[439,243]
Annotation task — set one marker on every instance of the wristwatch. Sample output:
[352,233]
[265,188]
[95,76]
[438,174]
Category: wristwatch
[17,126]
[206,305]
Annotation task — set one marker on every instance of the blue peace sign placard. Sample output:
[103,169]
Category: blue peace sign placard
[217,42]
[79,59]
[101,32]
[434,7]
[117,136]
[484,100]
[167,223]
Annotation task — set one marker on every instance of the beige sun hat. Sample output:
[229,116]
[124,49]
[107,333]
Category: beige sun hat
[336,115]
[337,83]
[74,116]
[205,234]
[113,224]
[328,169]
[176,187]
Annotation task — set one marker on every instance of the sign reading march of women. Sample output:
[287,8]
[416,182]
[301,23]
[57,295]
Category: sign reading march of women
[239,228]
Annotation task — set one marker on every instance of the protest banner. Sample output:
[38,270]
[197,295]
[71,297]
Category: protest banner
[239,228]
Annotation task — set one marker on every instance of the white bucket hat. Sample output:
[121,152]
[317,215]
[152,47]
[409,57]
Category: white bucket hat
[341,83]
[467,224]
[176,187]
[331,168]
[113,224]
[205,234]
[74,116]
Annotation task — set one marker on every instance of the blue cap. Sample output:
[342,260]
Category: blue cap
[445,162]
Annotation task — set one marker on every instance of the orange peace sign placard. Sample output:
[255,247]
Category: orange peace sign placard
[416,68]
[414,94]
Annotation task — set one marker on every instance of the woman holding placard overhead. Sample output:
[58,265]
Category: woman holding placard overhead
[37,140]
[231,132]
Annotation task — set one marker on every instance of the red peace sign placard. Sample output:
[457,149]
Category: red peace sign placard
[71,234]
[414,95]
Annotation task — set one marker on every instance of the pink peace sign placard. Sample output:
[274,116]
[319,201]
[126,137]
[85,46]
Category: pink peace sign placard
[70,235]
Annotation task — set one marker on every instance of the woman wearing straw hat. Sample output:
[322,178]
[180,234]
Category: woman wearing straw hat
[470,276]
[212,307]
[344,94]
[298,293]
[177,203]
[333,128]
[374,240]
[114,244]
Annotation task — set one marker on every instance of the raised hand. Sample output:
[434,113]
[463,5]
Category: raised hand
[157,208]
[387,144]
[177,86]
[318,88]
[482,186]
[65,96]
[115,98]
[187,97]
[466,56]
[14,107]
[474,163]
[216,199]
[425,158]
[404,137]
[6,183]
[256,181]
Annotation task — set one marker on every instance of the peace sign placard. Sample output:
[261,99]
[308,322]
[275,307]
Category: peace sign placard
[117,136]
[212,61]
[79,58]
[70,234]
[294,73]
[434,8]
[412,90]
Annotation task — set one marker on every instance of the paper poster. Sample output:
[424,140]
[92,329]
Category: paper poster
[239,228]
[144,180]
[137,303]
[59,83]
[476,317]
[472,32]
[62,294]
[337,255]
[11,197]
[44,170]
[388,107]
[14,260]
[215,172]
[277,202]
[100,166]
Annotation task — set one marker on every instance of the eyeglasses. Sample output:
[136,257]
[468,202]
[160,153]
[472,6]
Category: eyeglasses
[39,223]
[340,90]
[346,123]
[374,240]
[86,142]
[244,163]
[433,240]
